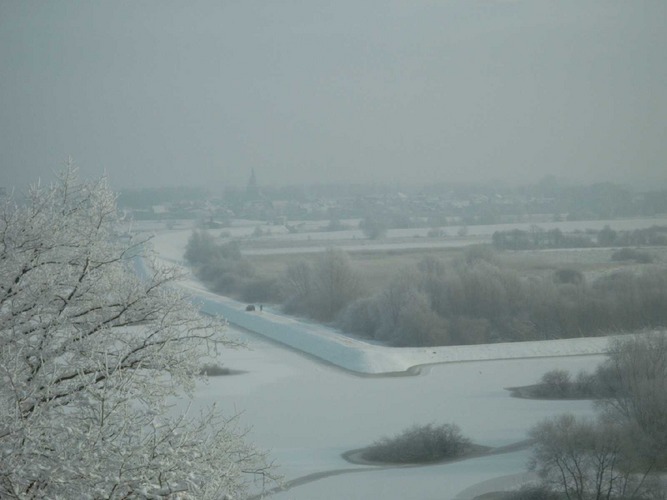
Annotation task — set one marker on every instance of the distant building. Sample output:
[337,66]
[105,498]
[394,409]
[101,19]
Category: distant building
[252,191]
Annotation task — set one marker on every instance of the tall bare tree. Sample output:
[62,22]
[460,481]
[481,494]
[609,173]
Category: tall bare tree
[585,459]
[635,379]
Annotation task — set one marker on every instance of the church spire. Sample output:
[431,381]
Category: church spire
[252,189]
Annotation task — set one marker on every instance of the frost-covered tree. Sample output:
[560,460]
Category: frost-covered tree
[635,379]
[586,460]
[322,290]
[91,355]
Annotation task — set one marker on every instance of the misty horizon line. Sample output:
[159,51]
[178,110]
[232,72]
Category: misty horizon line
[494,184]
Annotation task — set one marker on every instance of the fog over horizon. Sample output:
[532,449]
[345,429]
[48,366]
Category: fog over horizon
[198,93]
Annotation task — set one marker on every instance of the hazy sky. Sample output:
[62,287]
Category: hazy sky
[199,92]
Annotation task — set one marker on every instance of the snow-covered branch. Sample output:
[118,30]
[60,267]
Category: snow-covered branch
[89,354]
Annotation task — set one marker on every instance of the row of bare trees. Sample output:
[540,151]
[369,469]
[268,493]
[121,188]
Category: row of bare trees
[477,300]
[319,290]
[470,301]
[225,270]
[537,237]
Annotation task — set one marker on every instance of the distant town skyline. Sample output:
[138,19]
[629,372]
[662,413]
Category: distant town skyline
[169,93]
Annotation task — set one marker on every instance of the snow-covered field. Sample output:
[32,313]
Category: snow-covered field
[277,240]
[307,410]
[308,413]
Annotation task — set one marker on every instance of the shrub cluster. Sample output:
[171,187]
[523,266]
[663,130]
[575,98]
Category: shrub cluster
[373,228]
[626,254]
[532,492]
[559,384]
[214,370]
[418,444]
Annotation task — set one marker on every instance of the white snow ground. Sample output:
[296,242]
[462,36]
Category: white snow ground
[308,412]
